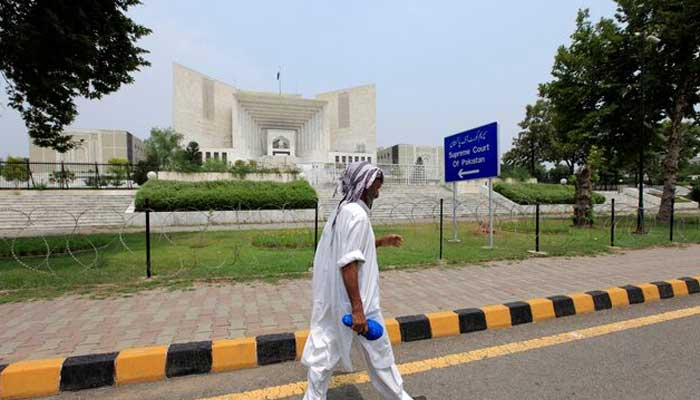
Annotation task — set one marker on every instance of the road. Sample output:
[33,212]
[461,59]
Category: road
[645,351]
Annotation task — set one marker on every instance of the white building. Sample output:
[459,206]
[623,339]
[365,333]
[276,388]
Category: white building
[92,146]
[233,124]
[414,163]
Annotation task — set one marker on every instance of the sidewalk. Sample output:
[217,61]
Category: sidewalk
[74,326]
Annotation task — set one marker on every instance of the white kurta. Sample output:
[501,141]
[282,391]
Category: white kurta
[329,341]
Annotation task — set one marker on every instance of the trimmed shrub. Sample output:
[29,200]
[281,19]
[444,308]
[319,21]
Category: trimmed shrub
[226,195]
[542,193]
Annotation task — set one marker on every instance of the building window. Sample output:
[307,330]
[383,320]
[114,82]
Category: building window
[216,155]
[337,159]
[363,159]
[344,160]
[369,159]
[357,158]
[208,156]
[223,157]
[343,110]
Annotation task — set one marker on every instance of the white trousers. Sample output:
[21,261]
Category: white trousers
[387,381]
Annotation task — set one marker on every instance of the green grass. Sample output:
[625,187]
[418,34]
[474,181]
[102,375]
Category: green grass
[542,193]
[180,259]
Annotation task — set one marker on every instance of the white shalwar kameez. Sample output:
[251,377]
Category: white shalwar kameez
[329,342]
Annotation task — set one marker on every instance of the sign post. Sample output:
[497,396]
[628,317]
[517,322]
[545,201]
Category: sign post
[472,154]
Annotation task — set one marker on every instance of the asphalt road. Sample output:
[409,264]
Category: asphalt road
[619,359]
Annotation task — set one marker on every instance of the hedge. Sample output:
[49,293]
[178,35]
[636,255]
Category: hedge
[225,195]
[542,193]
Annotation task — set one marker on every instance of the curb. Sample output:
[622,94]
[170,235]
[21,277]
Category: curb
[47,377]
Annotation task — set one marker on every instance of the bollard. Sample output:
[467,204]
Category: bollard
[612,224]
[537,227]
[673,212]
[148,239]
[441,205]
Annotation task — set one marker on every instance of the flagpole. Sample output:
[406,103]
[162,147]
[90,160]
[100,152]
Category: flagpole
[279,79]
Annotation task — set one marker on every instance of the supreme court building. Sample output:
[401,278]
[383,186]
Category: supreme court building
[233,124]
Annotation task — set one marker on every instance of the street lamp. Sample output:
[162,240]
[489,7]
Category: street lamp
[640,210]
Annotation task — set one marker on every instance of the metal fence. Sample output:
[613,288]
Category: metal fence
[194,244]
[70,175]
[323,173]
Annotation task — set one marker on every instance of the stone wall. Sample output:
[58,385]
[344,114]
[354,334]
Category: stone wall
[224,176]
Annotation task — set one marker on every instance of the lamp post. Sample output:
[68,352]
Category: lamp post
[640,210]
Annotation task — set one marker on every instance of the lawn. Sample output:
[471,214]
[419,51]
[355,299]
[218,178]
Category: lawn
[103,265]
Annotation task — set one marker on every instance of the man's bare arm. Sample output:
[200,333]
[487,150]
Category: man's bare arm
[350,279]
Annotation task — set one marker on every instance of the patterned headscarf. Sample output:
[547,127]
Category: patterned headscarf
[357,178]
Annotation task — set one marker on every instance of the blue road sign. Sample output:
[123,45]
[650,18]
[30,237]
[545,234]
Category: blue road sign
[472,154]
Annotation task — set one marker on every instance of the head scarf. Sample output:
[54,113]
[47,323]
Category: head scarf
[357,178]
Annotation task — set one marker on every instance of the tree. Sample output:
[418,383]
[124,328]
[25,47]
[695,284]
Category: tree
[55,51]
[15,170]
[578,98]
[193,155]
[162,146]
[119,170]
[537,142]
[671,71]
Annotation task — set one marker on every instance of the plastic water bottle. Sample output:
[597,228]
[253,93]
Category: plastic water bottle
[374,328]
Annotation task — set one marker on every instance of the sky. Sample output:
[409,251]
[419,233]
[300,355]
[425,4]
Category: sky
[439,67]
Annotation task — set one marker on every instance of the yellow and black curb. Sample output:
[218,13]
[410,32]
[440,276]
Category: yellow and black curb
[37,378]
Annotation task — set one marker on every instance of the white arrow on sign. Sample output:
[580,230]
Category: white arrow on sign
[463,173]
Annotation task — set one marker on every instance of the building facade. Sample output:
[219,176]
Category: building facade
[93,146]
[233,124]
[412,163]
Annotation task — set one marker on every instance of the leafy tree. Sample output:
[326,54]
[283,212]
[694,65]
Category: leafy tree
[577,95]
[55,51]
[162,146]
[671,73]
[63,177]
[188,159]
[537,142]
[119,170]
[15,170]
[141,170]
[194,155]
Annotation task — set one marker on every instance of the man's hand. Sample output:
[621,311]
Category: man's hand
[359,322]
[349,273]
[392,240]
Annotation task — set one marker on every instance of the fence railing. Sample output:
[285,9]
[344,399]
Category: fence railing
[70,175]
[320,173]
[190,244]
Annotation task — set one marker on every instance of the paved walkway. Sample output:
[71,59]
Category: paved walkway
[72,325]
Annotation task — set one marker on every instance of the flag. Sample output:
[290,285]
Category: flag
[278,76]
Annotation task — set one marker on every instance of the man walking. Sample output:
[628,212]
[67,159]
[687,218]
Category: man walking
[346,281]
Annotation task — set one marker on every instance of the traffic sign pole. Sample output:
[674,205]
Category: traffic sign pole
[490,213]
[454,213]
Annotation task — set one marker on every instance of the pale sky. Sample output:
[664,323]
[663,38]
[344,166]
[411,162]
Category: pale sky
[440,67]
